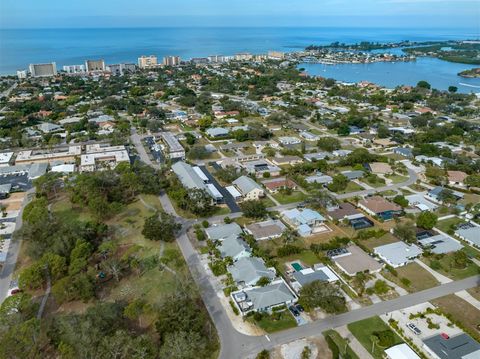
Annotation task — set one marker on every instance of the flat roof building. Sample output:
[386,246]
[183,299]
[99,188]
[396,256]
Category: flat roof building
[174,149]
[99,157]
[95,65]
[65,154]
[43,70]
[145,62]
[398,254]
[461,346]
[190,179]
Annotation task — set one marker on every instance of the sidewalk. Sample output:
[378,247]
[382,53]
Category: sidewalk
[354,343]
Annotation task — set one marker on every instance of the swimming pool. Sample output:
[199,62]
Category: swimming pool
[297,266]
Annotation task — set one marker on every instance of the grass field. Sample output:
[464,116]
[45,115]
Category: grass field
[461,311]
[276,322]
[371,243]
[295,196]
[397,178]
[341,344]
[448,224]
[351,187]
[363,331]
[419,278]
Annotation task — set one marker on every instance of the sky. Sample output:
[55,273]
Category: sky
[158,13]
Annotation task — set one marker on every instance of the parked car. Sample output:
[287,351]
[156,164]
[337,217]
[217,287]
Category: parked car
[299,308]
[445,336]
[414,328]
[294,311]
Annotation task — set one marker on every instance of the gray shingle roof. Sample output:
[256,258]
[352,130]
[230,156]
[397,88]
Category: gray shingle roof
[270,295]
[232,246]
[223,231]
[250,270]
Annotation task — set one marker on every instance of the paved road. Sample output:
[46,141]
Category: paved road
[412,178]
[12,255]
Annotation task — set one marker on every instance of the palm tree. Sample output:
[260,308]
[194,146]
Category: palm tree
[374,340]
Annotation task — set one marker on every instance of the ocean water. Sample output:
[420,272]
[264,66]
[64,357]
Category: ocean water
[18,48]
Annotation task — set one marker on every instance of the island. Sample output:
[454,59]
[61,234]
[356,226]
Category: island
[471,74]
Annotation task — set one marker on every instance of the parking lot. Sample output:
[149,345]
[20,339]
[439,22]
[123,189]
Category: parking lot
[403,319]
[154,149]
[228,198]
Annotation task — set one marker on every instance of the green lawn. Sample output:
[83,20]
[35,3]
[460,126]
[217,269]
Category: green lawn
[448,224]
[268,202]
[419,278]
[307,257]
[388,193]
[448,269]
[397,178]
[351,187]
[340,343]
[295,196]
[276,322]
[363,330]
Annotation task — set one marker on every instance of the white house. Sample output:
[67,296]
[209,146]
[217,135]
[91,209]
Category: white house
[249,189]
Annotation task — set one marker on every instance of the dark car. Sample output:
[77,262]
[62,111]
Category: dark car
[294,311]
[299,308]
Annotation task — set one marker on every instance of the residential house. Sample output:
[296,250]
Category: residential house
[353,175]
[248,270]
[380,207]
[419,201]
[264,299]
[260,167]
[287,160]
[353,259]
[440,244]
[288,140]
[470,235]
[347,212]
[379,168]
[270,229]
[401,351]
[434,160]
[277,184]
[308,136]
[320,179]
[318,156]
[437,194]
[456,178]
[304,221]
[308,275]
[234,247]
[403,151]
[398,254]
[249,189]
[217,132]
[223,231]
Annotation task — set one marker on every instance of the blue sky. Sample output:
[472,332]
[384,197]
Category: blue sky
[118,13]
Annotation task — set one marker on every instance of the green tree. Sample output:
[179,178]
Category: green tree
[329,144]
[254,209]
[264,354]
[405,231]
[424,85]
[262,282]
[319,294]
[427,220]
[339,183]
[160,227]
[401,201]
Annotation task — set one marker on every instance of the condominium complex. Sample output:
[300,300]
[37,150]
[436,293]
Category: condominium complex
[121,69]
[147,61]
[43,70]
[171,60]
[74,69]
[174,148]
[65,154]
[100,156]
[95,65]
